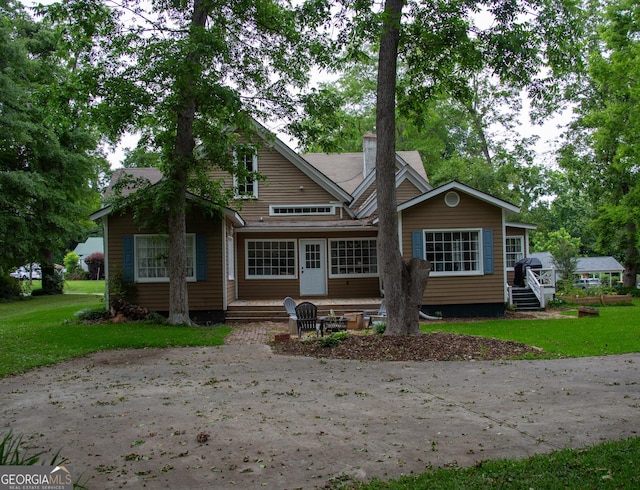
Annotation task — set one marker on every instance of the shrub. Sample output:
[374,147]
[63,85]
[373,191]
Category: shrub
[91,314]
[333,339]
[71,263]
[119,288]
[95,262]
[10,288]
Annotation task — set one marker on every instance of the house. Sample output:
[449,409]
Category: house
[309,230]
[90,246]
[587,267]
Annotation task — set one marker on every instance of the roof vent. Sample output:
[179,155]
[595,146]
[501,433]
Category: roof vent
[452,199]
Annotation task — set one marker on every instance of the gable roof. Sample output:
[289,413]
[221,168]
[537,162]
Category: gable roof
[93,244]
[584,265]
[346,169]
[311,171]
[457,186]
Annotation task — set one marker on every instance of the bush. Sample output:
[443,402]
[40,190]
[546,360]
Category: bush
[71,264]
[92,314]
[333,339]
[10,288]
[95,262]
[119,288]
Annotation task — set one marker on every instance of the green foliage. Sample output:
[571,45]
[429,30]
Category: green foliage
[119,288]
[92,314]
[11,453]
[333,340]
[563,247]
[71,263]
[10,288]
[602,146]
[379,327]
[49,157]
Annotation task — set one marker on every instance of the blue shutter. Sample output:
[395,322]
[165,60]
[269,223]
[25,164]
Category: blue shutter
[201,257]
[487,251]
[417,244]
[128,272]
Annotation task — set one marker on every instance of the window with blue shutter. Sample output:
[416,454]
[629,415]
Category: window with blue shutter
[201,257]
[487,251]
[417,244]
[128,273]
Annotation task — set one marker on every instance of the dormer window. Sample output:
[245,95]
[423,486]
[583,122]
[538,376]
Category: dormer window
[245,182]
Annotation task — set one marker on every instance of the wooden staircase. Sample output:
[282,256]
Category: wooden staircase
[524,299]
[273,310]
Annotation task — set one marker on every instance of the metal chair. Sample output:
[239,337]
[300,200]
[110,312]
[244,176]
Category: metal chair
[370,316]
[307,318]
[290,306]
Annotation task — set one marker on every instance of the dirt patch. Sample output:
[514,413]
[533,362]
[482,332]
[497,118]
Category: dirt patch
[435,346]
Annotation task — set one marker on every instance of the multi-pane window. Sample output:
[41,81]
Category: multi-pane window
[244,181]
[515,250]
[151,256]
[271,258]
[353,257]
[453,251]
[301,210]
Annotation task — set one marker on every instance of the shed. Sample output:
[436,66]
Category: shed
[91,246]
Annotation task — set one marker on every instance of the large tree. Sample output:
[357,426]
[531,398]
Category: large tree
[49,157]
[190,76]
[602,152]
[442,47]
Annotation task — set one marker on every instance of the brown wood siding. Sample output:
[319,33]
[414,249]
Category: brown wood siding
[470,213]
[406,191]
[203,295]
[252,289]
[281,186]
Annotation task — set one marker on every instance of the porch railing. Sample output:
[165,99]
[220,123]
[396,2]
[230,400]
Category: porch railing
[542,283]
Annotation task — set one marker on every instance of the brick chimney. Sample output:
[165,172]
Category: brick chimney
[369,153]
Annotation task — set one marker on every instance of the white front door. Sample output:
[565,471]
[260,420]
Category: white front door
[313,270]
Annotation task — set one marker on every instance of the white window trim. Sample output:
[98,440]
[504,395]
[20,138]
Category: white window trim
[254,194]
[353,275]
[506,252]
[478,272]
[231,259]
[136,257]
[254,277]
[331,212]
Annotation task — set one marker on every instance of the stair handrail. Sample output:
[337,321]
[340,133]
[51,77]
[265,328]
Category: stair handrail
[536,286]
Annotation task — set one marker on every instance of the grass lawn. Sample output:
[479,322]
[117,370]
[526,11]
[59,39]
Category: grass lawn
[70,287]
[614,331]
[42,330]
[84,287]
[607,465]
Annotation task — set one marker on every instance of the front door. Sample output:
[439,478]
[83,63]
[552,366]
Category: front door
[313,270]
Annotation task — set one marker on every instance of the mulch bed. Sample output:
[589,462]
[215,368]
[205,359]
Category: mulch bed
[436,346]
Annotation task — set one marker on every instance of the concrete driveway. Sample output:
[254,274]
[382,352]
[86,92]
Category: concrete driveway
[240,417]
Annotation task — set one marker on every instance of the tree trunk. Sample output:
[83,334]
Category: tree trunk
[177,179]
[632,258]
[403,282]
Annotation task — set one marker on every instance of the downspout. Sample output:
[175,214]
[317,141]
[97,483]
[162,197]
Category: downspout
[105,246]
[507,289]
